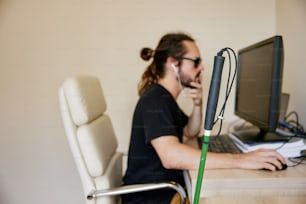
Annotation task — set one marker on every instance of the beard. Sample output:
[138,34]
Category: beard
[185,80]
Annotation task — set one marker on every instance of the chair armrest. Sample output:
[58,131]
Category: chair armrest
[138,188]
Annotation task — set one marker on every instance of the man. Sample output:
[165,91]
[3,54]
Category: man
[156,152]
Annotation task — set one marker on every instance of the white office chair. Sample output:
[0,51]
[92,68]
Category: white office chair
[93,143]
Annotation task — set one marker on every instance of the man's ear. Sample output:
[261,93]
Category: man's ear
[172,62]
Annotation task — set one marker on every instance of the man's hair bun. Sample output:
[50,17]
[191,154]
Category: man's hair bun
[146,53]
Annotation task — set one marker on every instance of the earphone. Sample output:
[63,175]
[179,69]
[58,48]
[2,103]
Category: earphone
[175,68]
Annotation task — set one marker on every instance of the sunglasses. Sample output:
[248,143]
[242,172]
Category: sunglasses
[197,60]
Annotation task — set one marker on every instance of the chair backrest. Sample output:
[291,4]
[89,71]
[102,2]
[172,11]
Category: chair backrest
[90,135]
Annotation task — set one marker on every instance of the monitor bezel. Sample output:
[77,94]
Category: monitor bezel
[276,85]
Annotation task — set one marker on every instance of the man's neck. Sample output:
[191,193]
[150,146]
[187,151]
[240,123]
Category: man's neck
[173,87]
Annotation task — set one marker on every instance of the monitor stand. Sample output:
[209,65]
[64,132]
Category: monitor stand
[252,135]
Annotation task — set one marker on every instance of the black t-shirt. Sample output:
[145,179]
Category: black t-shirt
[156,114]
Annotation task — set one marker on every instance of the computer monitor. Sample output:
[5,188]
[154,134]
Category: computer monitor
[259,89]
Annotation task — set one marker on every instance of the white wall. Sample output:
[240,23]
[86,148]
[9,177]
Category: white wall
[291,23]
[43,42]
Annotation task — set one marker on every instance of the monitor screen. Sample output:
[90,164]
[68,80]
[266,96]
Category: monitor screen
[259,83]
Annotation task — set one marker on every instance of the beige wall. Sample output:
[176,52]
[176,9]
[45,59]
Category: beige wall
[291,23]
[43,42]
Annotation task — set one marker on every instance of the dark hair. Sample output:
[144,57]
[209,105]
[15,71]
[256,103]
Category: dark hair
[170,45]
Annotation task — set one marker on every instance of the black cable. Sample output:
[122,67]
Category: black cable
[296,117]
[229,84]
[294,126]
[228,88]
[222,111]
[297,161]
[292,113]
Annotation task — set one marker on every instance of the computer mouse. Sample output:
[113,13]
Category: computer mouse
[284,166]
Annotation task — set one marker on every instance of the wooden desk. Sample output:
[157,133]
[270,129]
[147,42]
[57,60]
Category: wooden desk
[254,200]
[252,186]
[237,182]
